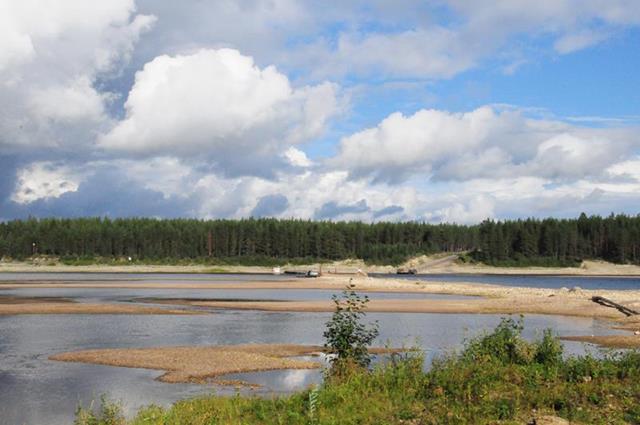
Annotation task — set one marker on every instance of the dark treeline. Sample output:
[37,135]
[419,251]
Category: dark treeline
[516,242]
[560,242]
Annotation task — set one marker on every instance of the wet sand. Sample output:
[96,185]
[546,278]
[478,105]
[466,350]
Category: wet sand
[10,305]
[199,364]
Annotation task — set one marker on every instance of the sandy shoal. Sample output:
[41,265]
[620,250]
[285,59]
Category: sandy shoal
[197,364]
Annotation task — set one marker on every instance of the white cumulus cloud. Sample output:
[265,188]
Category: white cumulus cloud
[485,142]
[218,104]
[42,180]
[51,54]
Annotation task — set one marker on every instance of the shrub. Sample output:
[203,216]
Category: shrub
[347,338]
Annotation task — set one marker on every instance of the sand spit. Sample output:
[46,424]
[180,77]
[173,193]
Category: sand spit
[199,364]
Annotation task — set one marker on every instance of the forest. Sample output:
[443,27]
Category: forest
[549,242]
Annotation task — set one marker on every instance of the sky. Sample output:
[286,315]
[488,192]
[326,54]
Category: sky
[432,110]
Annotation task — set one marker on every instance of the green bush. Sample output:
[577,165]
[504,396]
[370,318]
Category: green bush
[347,338]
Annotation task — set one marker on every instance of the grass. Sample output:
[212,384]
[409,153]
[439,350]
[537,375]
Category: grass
[498,378]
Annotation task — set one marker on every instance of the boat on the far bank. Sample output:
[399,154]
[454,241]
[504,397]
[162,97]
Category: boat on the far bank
[406,271]
[308,273]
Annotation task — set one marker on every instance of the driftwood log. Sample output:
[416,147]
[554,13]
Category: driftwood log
[608,303]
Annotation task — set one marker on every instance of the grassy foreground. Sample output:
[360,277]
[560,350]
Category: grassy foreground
[497,378]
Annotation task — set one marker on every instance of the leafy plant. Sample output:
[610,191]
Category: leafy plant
[346,336]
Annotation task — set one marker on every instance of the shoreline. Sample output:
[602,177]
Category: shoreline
[425,265]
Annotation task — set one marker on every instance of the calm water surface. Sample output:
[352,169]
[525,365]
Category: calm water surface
[585,282]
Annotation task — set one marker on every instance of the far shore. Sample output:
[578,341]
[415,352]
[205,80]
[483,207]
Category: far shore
[438,264]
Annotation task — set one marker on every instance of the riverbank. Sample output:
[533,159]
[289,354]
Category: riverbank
[434,264]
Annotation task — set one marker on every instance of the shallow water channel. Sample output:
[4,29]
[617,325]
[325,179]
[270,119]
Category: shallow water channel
[35,390]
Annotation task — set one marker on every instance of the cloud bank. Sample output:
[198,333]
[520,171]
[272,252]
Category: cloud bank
[237,109]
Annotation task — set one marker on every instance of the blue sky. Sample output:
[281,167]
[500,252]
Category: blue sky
[441,110]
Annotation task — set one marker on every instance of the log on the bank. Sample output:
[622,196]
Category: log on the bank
[608,303]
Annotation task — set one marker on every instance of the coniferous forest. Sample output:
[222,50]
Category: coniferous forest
[551,242]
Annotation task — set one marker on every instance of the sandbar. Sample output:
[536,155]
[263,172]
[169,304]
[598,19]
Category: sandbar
[199,364]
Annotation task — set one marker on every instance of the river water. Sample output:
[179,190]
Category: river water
[35,390]
[584,282]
